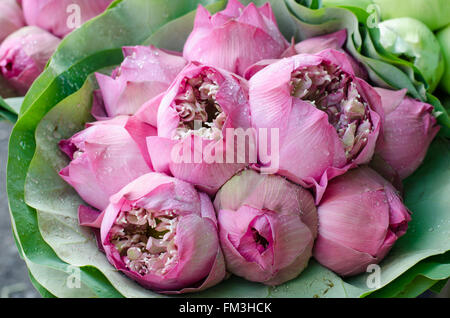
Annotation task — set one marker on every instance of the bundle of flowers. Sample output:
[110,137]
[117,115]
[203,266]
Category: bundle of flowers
[237,150]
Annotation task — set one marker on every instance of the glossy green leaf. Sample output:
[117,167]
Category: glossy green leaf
[42,291]
[424,274]
[437,288]
[14,104]
[7,111]
[442,115]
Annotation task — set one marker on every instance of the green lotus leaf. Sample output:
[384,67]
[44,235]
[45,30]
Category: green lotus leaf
[443,37]
[9,108]
[419,278]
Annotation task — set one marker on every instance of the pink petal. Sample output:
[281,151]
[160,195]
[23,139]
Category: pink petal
[338,58]
[258,66]
[407,133]
[89,217]
[160,151]
[341,259]
[198,244]
[148,113]
[11,18]
[24,55]
[160,192]
[145,73]
[110,159]
[310,139]
[242,37]
[390,99]
[98,110]
[361,223]
[216,275]
[42,13]
[234,9]
[267,192]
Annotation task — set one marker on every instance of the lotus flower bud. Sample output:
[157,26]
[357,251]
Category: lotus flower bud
[267,227]
[235,38]
[105,157]
[145,73]
[360,218]
[195,116]
[328,119]
[162,233]
[408,130]
[61,17]
[412,39]
[24,54]
[11,18]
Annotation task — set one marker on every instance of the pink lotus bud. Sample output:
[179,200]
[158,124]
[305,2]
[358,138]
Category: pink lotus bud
[11,18]
[408,130]
[61,17]
[105,157]
[328,119]
[162,233]
[24,54]
[235,38]
[267,227]
[361,216]
[145,73]
[194,117]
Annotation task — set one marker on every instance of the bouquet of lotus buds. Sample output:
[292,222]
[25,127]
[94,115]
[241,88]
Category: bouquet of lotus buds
[228,149]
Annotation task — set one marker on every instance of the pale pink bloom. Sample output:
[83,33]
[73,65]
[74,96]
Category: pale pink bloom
[361,216]
[328,119]
[59,16]
[214,100]
[24,55]
[408,130]
[267,227]
[235,38]
[162,233]
[145,73]
[105,157]
[11,18]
